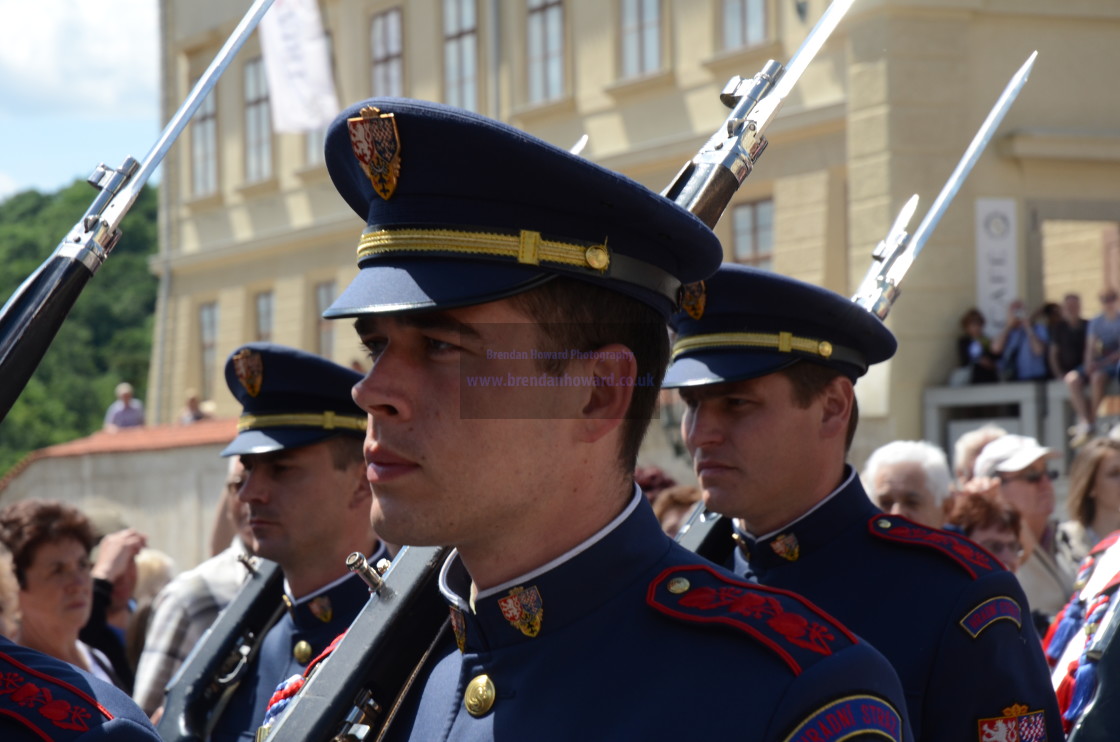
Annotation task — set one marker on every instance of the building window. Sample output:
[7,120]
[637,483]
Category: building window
[641,37]
[753,239]
[258,124]
[460,53]
[204,148]
[546,50]
[264,316]
[744,23]
[208,344]
[324,296]
[387,50]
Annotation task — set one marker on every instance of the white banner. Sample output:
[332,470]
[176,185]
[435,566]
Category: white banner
[997,260]
[297,62]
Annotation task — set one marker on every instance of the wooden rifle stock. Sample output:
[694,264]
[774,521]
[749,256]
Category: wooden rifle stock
[198,693]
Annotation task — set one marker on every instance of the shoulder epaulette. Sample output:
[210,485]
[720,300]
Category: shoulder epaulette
[959,548]
[795,629]
[48,706]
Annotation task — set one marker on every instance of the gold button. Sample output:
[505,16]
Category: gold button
[824,348]
[678,585]
[883,523]
[302,652]
[597,257]
[480,695]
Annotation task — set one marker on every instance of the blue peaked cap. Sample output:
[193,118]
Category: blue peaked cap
[746,323]
[461,209]
[289,398]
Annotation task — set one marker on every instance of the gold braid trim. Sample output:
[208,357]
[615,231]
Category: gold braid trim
[784,342]
[527,247]
[327,421]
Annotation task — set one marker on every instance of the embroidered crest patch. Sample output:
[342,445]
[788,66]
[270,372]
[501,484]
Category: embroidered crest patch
[786,547]
[459,627]
[249,367]
[786,623]
[50,707]
[848,717]
[991,610]
[1017,724]
[523,609]
[377,145]
[694,297]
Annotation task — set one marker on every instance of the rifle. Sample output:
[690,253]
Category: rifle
[202,687]
[32,315]
[352,695]
[704,533]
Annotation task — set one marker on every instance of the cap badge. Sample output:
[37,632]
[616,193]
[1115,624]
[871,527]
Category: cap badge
[694,296]
[321,608]
[377,145]
[459,626]
[786,547]
[522,608]
[249,367]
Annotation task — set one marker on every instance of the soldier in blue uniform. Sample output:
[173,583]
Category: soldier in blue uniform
[512,298]
[766,365]
[300,442]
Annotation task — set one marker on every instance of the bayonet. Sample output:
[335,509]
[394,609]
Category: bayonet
[893,257]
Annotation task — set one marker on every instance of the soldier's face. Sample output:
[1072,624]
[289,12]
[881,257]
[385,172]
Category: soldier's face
[455,454]
[759,455]
[297,498]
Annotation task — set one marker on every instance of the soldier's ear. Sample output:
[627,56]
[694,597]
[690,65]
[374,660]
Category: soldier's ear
[837,402]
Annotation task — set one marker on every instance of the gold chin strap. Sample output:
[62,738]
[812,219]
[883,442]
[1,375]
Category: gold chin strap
[783,342]
[326,420]
[527,247]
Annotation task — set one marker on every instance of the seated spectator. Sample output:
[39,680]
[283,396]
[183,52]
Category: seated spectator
[974,349]
[1015,466]
[188,605]
[967,448]
[1066,352]
[50,544]
[673,505]
[192,410]
[911,479]
[1093,501]
[993,524]
[125,412]
[1021,345]
[1102,361]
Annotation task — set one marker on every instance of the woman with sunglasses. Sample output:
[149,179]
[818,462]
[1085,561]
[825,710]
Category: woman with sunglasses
[1017,467]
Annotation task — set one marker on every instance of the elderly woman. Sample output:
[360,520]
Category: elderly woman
[50,544]
[1093,500]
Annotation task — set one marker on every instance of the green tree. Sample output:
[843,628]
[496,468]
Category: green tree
[107,336]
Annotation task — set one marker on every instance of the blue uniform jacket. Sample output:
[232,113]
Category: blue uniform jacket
[276,661]
[631,637]
[953,622]
[45,698]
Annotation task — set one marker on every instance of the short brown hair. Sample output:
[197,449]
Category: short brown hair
[346,450]
[28,524]
[809,381]
[1083,476]
[583,316]
[973,511]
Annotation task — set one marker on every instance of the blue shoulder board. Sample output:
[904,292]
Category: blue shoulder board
[47,706]
[791,626]
[960,549]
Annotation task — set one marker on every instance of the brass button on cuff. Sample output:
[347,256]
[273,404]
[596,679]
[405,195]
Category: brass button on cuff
[302,652]
[480,696]
[678,585]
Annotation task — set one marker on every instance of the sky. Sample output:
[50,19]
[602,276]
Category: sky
[78,87]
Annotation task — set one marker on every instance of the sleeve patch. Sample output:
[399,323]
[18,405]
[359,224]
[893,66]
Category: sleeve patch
[1017,723]
[964,552]
[51,708]
[848,717]
[795,629]
[991,610]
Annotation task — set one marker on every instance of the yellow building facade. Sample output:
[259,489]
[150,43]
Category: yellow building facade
[255,240]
